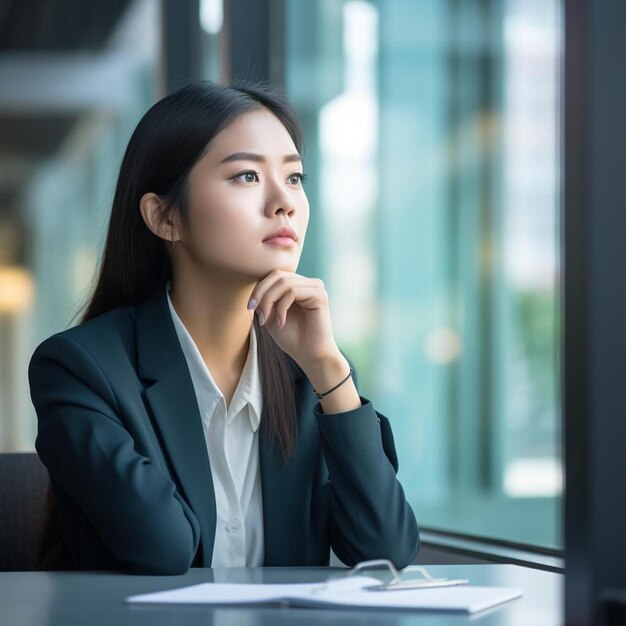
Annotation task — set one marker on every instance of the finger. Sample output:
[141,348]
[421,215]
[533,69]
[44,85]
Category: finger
[277,290]
[282,306]
[278,275]
[304,293]
[261,288]
[294,293]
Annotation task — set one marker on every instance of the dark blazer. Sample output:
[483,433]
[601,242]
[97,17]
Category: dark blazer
[120,433]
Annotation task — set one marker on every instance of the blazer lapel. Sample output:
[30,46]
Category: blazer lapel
[172,400]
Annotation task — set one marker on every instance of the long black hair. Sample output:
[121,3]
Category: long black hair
[169,139]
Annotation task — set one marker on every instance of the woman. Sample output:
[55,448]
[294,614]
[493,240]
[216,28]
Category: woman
[201,414]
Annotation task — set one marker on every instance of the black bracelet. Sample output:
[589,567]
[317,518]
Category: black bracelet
[321,395]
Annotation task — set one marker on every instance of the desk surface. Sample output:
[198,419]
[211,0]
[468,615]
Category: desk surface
[68,598]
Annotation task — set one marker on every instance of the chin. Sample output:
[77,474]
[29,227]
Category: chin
[286,266]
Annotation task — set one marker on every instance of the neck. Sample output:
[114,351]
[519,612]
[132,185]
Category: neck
[214,311]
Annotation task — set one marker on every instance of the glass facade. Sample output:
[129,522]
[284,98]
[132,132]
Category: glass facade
[72,106]
[433,151]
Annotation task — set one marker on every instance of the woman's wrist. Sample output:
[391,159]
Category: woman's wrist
[326,373]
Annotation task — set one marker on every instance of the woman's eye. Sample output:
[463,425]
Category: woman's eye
[248,176]
[298,177]
[251,176]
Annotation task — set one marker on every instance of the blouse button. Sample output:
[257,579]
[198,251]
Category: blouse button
[233,525]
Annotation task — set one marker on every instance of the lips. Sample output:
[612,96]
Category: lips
[283,231]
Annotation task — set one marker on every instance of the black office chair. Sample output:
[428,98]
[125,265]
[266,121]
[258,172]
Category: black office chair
[23,487]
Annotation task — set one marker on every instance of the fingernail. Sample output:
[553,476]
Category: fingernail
[251,303]
[261,317]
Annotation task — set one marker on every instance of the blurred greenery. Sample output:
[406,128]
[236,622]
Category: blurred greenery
[539,329]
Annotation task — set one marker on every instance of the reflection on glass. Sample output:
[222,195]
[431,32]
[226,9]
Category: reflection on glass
[68,103]
[211,22]
[433,152]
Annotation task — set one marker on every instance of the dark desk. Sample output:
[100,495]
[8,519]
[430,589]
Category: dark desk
[94,598]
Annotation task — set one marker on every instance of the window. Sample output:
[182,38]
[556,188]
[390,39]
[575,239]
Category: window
[69,100]
[432,135]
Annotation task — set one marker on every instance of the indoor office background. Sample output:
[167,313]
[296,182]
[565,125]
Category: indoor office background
[432,149]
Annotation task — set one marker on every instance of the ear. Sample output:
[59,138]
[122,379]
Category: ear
[153,213]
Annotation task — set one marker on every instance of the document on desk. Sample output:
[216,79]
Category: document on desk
[339,593]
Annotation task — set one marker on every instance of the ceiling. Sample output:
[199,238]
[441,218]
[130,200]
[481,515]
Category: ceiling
[32,33]
[43,25]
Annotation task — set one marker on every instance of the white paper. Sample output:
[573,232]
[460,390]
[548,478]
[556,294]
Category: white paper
[340,593]
[456,598]
[226,593]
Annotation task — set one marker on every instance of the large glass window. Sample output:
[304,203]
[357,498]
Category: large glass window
[433,159]
[211,31]
[432,149]
[69,100]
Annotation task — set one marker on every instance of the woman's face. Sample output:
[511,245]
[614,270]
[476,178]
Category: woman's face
[235,202]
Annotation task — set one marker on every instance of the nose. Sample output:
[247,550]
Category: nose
[280,199]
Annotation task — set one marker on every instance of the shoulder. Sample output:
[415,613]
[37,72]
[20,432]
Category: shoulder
[102,337]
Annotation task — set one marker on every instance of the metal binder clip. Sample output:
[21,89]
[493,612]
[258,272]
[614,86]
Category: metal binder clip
[397,583]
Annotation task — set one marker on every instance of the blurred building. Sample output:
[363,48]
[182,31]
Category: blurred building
[433,153]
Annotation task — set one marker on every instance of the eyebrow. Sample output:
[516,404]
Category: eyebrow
[251,156]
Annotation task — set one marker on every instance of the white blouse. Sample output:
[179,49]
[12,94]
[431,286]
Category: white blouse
[232,440]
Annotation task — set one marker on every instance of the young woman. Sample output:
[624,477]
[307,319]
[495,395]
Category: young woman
[201,413]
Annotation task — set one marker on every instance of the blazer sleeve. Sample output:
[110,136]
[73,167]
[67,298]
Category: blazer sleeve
[370,516]
[88,452]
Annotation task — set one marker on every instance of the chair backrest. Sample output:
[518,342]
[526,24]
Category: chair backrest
[23,487]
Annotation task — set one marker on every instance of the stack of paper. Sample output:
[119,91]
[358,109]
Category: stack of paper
[338,593]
